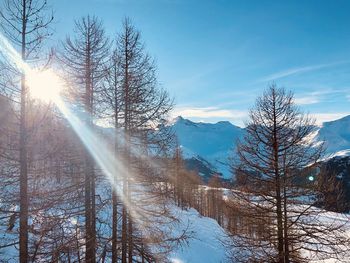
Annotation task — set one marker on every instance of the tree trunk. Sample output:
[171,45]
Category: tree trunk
[124,225]
[93,215]
[285,227]
[130,239]
[279,224]
[90,209]
[278,188]
[88,215]
[114,226]
[23,214]
[114,186]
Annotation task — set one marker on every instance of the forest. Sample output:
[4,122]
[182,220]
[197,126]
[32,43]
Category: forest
[91,170]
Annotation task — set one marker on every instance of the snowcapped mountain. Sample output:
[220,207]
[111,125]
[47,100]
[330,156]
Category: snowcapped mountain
[211,143]
[207,145]
[336,136]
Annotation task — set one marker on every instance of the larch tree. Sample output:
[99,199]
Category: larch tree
[137,105]
[84,56]
[273,157]
[111,105]
[26,24]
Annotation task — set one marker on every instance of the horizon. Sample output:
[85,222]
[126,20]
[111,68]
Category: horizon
[243,126]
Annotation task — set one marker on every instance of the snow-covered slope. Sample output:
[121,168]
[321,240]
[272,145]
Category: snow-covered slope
[212,142]
[206,139]
[205,244]
[336,135]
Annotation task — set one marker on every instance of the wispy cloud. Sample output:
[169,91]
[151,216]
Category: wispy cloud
[209,112]
[324,117]
[299,70]
[212,114]
[322,95]
[313,99]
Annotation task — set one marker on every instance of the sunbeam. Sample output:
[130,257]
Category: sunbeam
[8,53]
[46,86]
[114,169]
[111,166]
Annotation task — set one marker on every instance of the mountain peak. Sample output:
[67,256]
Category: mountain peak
[180,120]
[224,123]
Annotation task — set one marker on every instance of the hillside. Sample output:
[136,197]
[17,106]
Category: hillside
[205,242]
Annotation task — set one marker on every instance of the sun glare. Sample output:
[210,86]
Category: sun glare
[44,85]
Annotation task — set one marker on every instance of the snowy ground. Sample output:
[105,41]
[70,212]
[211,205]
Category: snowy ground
[205,244]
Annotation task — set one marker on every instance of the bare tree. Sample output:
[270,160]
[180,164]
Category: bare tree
[134,102]
[26,25]
[111,105]
[272,156]
[84,56]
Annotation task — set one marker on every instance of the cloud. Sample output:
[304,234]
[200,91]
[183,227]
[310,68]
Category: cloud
[324,117]
[307,100]
[321,95]
[209,112]
[298,70]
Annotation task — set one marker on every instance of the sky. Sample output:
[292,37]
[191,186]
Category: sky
[216,56]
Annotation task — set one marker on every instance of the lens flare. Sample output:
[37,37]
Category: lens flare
[44,85]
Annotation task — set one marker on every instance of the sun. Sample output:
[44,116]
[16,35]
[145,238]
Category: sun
[44,85]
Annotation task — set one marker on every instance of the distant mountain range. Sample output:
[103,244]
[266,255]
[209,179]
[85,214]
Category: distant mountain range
[206,147]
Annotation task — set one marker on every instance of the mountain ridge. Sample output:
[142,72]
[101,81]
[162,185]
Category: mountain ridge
[215,142]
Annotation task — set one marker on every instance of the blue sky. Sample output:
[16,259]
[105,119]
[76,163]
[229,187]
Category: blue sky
[215,57]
